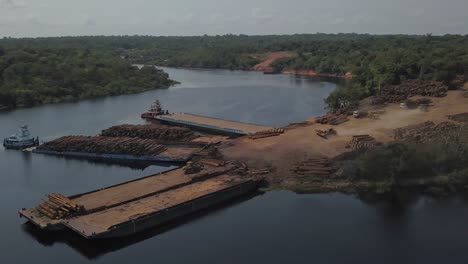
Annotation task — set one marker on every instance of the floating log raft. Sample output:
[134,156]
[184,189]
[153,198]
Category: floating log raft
[104,145]
[58,206]
[160,132]
[267,133]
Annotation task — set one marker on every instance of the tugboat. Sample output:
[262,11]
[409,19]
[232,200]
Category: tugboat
[155,110]
[21,140]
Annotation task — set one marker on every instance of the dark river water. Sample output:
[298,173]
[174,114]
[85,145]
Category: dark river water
[274,227]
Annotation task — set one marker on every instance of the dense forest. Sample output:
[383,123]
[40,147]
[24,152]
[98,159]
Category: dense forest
[38,75]
[373,60]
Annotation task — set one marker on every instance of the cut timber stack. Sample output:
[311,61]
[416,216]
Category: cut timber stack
[399,93]
[59,207]
[193,167]
[426,132]
[160,132]
[362,142]
[315,166]
[104,145]
[213,162]
[267,133]
[332,119]
[462,118]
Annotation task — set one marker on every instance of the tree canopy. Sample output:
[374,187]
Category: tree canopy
[373,60]
[39,75]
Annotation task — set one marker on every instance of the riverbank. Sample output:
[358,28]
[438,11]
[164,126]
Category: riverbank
[288,155]
[267,66]
[72,100]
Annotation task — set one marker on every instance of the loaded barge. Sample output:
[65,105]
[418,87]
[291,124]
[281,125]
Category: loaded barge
[134,206]
[121,149]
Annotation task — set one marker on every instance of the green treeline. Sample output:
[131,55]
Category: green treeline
[39,75]
[403,164]
[374,60]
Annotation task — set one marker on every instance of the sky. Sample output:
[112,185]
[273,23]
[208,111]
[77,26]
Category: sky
[41,18]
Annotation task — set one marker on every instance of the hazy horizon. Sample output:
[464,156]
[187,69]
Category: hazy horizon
[54,18]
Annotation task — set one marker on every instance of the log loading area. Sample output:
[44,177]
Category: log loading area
[124,209]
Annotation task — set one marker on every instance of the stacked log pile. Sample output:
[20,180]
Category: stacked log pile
[104,145]
[425,132]
[326,133]
[399,93]
[333,119]
[193,167]
[58,206]
[462,118]
[362,142]
[314,166]
[160,132]
[208,152]
[410,103]
[267,133]
[213,162]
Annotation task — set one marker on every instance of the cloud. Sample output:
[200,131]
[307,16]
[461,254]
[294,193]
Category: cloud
[13,4]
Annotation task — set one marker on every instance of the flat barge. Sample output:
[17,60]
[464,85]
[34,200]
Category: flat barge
[159,209]
[133,206]
[213,125]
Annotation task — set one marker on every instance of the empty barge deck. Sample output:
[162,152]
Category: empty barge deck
[210,124]
[144,213]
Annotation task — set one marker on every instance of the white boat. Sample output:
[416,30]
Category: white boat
[21,140]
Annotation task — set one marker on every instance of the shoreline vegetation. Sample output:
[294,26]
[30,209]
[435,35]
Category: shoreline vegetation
[31,76]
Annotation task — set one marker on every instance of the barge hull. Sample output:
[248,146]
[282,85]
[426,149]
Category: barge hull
[173,213]
[116,157]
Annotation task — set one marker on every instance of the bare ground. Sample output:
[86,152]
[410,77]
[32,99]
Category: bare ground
[271,57]
[301,142]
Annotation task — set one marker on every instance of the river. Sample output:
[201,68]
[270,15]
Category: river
[274,227]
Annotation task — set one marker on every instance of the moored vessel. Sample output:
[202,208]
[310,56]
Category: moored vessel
[154,111]
[21,140]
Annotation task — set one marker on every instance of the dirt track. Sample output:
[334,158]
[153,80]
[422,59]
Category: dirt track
[270,58]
